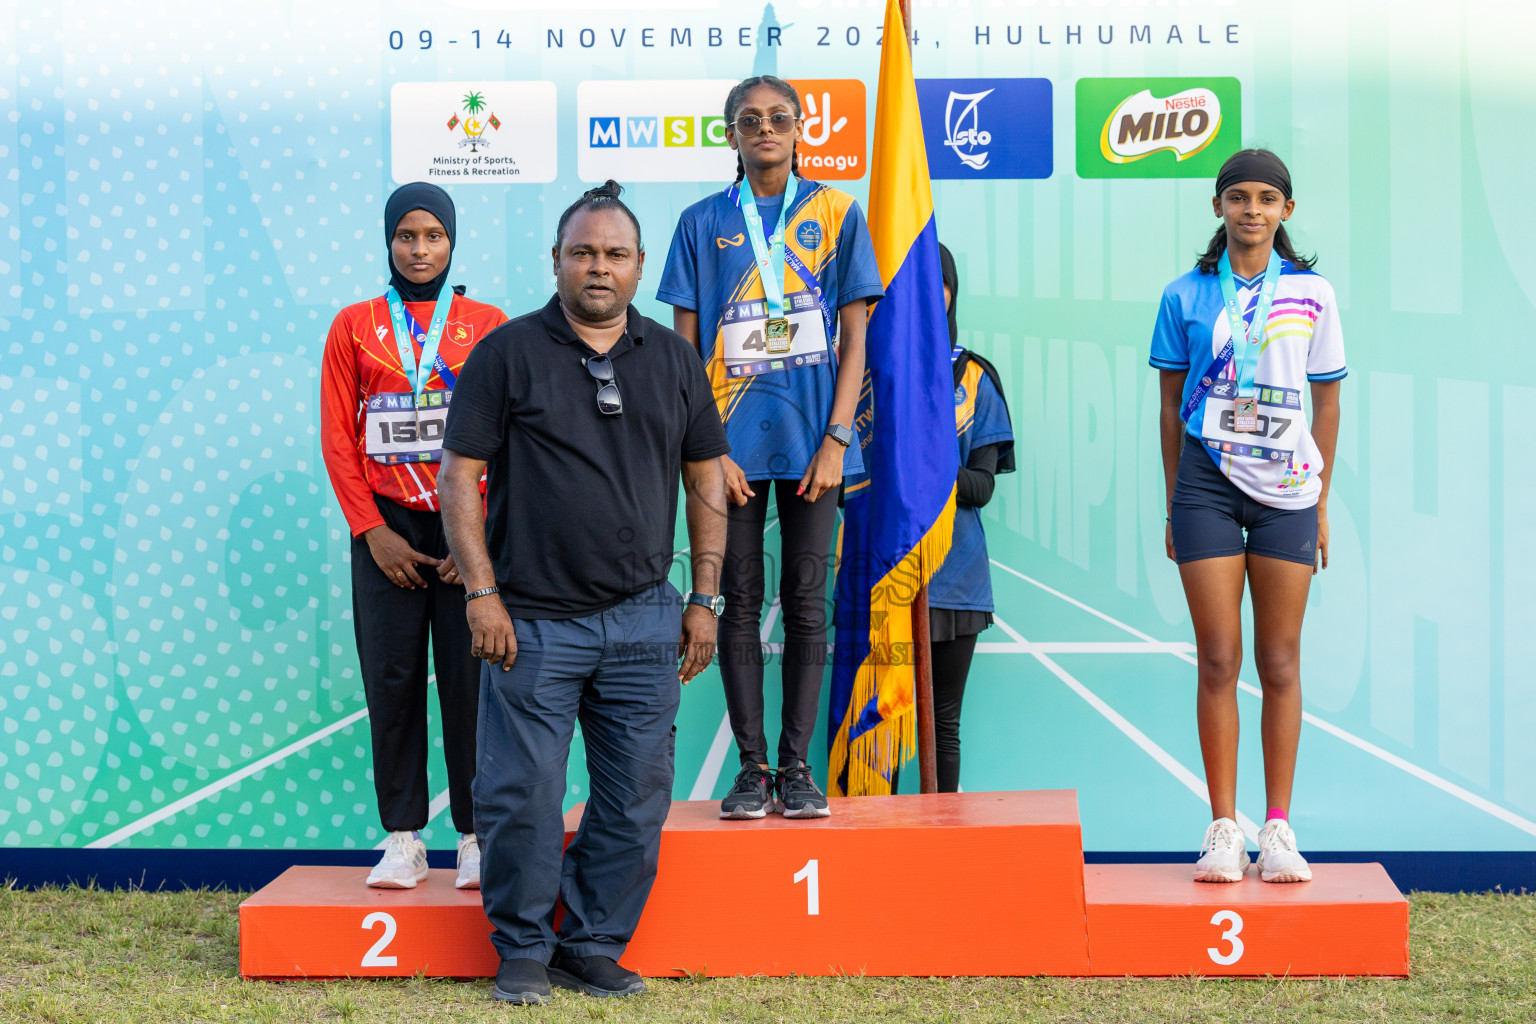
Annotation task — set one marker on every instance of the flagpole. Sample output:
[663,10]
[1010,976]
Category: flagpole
[927,754]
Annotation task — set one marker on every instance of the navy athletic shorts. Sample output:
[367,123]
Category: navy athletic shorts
[1210,515]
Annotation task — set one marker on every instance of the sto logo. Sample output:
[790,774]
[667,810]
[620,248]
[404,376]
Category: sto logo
[723,242]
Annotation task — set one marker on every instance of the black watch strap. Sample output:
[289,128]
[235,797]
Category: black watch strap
[841,434]
[482,592]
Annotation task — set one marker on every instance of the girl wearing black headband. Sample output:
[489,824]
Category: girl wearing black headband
[388,372]
[1239,341]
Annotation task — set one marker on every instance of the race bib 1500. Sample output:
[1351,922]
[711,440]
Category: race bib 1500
[747,348]
[399,429]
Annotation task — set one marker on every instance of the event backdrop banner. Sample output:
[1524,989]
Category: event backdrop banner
[192,190]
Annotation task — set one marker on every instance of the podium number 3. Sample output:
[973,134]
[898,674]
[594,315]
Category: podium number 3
[1235,925]
[812,879]
[372,957]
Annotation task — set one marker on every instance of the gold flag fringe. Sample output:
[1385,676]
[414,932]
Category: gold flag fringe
[889,671]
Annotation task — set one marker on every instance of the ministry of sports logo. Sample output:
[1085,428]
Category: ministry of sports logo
[1156,127]
[450,132]
[986,127]
[473,125]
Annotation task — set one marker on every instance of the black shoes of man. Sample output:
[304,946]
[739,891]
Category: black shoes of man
[525,981]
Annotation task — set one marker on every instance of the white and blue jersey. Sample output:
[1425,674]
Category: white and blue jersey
[1279,464]
[964,581]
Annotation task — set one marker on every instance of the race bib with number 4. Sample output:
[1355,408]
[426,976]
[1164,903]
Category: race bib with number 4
[1271,434]
[750,348]
[399,430]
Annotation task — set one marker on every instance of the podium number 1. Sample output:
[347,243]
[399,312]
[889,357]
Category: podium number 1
[812,879]
[372,957]
[1235,923]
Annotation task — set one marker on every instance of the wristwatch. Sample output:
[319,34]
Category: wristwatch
[841,434]
[714,602]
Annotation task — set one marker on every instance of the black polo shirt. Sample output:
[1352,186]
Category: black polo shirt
[582,507]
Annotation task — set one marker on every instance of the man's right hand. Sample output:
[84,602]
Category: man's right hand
[492,638]
[396,558]
[737,491]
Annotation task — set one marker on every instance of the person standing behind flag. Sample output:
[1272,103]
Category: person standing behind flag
[899,519]
[763,277]
[1237,341]
[387,376]
[960,593]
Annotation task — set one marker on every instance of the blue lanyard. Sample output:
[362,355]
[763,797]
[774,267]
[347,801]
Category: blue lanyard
[439,364]
[1251,334]
[418,370]
[770,256]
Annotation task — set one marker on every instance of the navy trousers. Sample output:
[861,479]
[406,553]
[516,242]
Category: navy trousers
[616,673]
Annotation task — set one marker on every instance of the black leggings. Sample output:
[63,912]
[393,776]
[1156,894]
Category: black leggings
[394,627]
[951,664]
[805,530]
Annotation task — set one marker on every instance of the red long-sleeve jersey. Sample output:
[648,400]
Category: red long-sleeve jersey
[360,361]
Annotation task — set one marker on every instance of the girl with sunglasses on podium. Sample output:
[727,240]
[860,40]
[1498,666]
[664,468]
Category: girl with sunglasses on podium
[770,278]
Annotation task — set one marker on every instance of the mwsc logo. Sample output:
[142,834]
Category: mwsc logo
[986,127]
[653,131]
[1157,127]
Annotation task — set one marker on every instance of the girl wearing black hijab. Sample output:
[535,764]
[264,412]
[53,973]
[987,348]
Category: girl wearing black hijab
[960,593]
[387,378]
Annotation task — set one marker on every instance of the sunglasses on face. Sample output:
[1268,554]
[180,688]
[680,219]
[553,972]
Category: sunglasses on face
[751,124]
[609,403]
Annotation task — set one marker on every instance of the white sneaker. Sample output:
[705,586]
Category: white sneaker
[469,862]
[1223,853]
[404,863]
[1278,859]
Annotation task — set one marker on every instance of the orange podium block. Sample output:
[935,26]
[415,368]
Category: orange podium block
[1152,919]
[885,886]
[324,922]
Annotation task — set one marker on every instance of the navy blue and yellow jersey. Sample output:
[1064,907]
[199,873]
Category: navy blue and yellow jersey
[775,420]
[964,581]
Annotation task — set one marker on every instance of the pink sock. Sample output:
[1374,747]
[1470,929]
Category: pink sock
[1276,812]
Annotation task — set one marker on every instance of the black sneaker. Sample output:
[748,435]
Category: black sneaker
[521,980]
[799,796]
[595,975]
[751,794]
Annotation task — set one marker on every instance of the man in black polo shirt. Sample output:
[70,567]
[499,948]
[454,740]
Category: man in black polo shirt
[584,414]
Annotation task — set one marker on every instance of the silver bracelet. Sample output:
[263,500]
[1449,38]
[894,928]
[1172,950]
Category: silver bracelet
[483,592]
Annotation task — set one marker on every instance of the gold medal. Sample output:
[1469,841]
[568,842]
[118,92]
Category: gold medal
[776,332]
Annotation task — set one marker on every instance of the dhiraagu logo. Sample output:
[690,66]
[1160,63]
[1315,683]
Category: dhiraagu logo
[653,131]
[1157,127]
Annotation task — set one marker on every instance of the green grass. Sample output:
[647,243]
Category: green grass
[85,955]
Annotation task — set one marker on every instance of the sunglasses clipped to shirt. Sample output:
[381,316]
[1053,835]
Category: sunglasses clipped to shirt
[609,402]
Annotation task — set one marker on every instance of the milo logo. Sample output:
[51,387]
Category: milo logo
[1143,124]
[1156,127]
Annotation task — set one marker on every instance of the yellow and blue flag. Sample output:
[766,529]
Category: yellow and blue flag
[898,516]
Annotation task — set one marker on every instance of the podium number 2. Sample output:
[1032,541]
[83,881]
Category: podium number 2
[1235,925]
[812,879]
[372,957]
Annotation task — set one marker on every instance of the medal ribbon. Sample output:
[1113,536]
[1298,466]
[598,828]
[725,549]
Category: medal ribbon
[770,255]
[1252,333]
[439,364]
[417,371]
